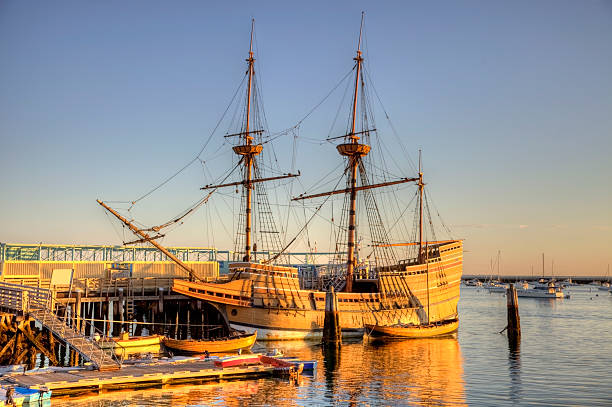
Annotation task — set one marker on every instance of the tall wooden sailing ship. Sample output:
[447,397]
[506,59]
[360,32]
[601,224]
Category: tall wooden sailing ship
[274,300]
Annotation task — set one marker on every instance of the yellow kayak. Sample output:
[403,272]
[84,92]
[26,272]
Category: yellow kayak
[137,344]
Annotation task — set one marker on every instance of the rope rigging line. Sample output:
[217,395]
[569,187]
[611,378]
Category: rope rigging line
[416,193]
[303,227]
[276,135]
[193,208]
[199,153]
[395,133]
[231,103]
[448,230]
[431,225]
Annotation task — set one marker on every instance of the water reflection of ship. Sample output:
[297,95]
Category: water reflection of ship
[421,371]
[431,370]
[226,393]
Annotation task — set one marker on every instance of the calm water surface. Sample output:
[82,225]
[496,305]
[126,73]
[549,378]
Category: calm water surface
[564,358]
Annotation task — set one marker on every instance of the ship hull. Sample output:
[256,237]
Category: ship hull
[269,299]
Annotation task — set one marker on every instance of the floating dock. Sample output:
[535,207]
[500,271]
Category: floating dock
[73,381]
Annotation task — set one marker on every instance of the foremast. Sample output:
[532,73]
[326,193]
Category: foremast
[248,149]
[354,151]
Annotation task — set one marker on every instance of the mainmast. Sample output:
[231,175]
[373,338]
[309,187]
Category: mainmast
[354,151]
[248,151]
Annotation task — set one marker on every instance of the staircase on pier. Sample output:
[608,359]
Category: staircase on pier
[102,359]
[38,303]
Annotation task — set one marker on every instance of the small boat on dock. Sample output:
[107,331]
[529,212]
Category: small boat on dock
[23,396]
[238,360]
[126,345]
[229,344]
[281,367]
[413,331]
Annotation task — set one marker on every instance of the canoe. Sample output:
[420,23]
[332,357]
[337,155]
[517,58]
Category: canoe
[230,344]
[136,344]
[254,359]
[238,360]
[413,331]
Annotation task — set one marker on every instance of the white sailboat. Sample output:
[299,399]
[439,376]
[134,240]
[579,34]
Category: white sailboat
[542,289]
[496,286]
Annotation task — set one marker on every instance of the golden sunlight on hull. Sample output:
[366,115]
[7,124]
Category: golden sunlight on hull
[270,299]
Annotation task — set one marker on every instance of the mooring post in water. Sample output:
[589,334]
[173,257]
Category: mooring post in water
[332,332]
[160,307]
[514,321]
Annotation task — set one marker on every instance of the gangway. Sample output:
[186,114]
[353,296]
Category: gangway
[39,304]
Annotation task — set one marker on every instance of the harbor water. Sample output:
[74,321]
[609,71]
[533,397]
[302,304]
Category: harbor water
[563,359]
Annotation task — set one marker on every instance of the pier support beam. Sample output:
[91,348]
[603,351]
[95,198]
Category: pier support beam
[121,310]
[77,310]
[514,320]
[332,332]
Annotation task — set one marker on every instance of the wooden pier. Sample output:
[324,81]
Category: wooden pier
[73,316]
[132,376]
[63,316]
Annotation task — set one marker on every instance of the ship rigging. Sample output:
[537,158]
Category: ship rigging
[420,290]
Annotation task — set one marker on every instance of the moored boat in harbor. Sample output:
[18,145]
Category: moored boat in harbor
[413,331]
[541,290]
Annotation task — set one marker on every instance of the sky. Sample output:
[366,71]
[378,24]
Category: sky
[510,102]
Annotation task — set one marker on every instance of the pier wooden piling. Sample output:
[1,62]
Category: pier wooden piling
[332,333]
[514,320]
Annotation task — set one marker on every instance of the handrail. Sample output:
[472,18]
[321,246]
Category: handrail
[28,299]
[86,326]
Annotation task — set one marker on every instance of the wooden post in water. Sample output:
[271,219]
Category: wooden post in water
[121,310]
[160,307]
[77,310]
[514,321]
[332,332]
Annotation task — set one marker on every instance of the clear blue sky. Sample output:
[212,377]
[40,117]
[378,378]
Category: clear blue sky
[511,103]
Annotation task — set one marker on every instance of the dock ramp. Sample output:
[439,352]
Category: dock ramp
[39,304]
